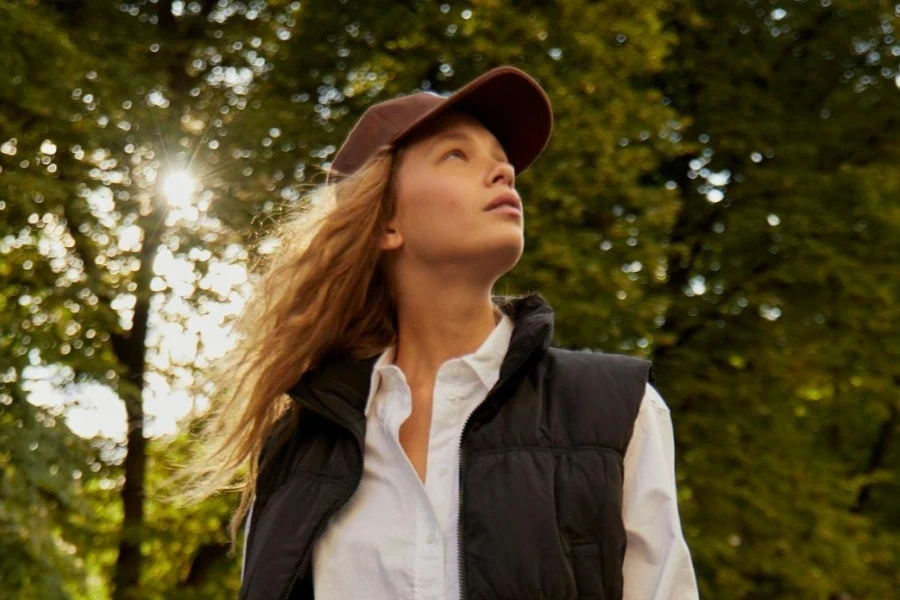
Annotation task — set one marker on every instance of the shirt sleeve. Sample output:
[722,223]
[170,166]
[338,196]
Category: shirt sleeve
[657,563]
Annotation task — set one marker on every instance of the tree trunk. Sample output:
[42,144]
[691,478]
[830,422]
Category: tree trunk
[131,351]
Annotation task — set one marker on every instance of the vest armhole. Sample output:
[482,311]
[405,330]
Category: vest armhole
[628,374]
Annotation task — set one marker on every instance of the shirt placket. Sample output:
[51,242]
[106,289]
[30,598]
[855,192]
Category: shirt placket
[429,569]
[438,480]
[428,559]
[459,390]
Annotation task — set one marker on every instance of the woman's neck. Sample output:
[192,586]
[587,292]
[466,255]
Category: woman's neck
[435,328]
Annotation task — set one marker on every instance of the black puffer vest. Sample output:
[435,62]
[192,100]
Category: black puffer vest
[541,472]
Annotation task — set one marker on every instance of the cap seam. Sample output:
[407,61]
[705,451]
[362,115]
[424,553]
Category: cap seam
[389,124]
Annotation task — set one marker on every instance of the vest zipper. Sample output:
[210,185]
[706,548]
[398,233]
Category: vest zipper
[462,474]
[320,527]
[459,521]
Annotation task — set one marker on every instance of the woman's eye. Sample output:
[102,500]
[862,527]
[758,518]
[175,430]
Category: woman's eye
[455,151]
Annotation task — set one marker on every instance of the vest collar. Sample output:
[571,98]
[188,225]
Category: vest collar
[338,389]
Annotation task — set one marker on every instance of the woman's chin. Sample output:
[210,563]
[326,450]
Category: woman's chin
[504,252]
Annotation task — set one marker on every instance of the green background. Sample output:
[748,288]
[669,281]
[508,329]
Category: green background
[721,195]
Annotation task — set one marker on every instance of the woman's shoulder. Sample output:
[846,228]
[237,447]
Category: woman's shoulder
[606,363]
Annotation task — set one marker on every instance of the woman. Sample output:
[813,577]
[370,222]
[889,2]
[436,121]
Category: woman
[411,435]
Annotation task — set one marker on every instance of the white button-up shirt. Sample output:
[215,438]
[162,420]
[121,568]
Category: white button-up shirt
[397,538]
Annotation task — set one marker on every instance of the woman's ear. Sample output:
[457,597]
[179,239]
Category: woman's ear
[391,239]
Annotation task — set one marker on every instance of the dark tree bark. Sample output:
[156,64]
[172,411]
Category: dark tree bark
[130,347]
[207,557]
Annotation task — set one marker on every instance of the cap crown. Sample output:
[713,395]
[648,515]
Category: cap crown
[509,103]
[383,124]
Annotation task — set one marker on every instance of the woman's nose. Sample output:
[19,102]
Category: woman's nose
[504,172]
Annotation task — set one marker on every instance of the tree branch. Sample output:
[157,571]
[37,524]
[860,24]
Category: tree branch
[879,453]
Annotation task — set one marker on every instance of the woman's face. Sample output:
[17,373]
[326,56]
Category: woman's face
[444,182]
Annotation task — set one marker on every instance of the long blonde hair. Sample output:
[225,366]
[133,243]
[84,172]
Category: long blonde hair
[324,291]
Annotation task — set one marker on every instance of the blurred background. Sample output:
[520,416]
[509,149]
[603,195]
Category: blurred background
[721,195]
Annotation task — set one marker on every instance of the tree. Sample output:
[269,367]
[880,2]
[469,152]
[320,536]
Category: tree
[776,351]
[716,196]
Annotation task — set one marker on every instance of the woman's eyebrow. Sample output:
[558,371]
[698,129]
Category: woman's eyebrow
[463,136]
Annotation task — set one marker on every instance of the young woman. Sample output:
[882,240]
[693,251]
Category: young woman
[411,435]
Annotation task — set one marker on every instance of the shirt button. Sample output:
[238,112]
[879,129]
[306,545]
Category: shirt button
[431,538]
[444,471]
[454,398]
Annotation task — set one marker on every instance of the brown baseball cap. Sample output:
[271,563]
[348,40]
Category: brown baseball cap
[507,101]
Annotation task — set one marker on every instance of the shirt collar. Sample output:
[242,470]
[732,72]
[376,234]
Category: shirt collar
[485,361]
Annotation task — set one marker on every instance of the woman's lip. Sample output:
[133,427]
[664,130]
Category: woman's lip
[506,209]
[506,199]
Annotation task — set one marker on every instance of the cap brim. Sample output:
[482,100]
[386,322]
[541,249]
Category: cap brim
[510,104]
